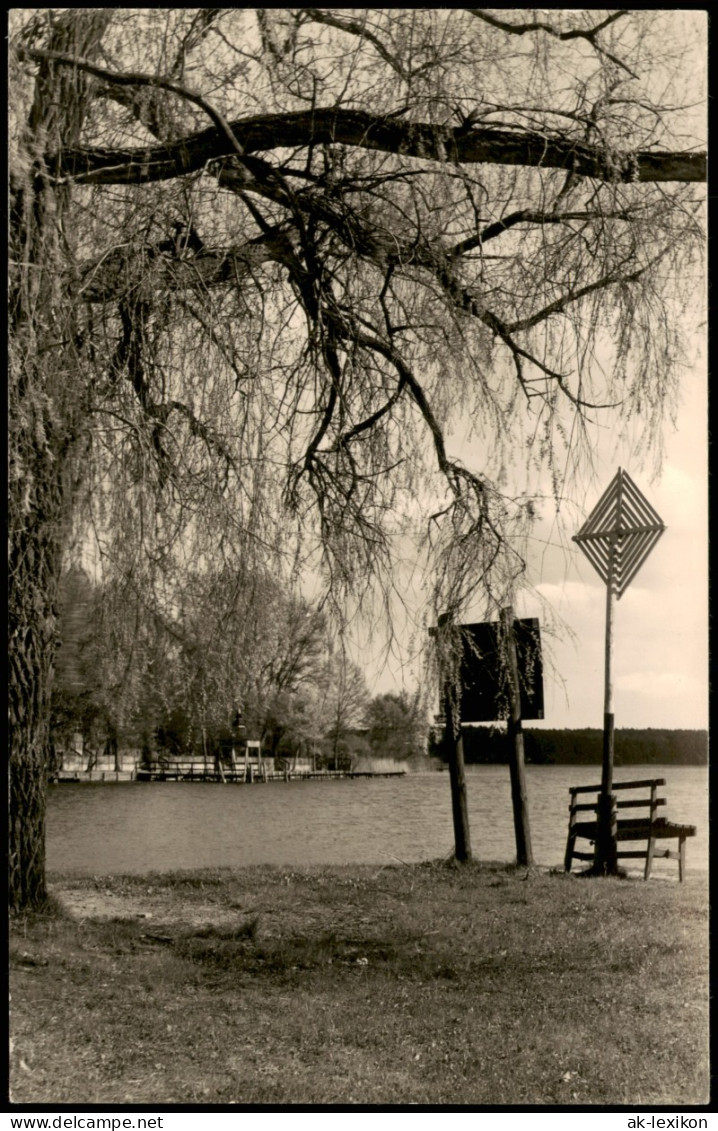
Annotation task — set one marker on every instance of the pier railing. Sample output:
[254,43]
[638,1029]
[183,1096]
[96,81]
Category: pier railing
[193,770]
[252,772]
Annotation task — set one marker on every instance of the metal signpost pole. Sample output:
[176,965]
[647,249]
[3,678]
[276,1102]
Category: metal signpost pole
[617,537]
[607,769]
[606,860]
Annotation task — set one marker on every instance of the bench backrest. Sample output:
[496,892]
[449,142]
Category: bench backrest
[650,799]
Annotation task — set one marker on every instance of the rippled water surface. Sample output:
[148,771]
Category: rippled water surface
[140,827]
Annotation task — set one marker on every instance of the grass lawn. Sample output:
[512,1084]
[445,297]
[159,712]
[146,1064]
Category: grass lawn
[416,984]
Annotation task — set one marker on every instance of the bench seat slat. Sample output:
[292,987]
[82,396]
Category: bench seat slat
[635,830]
[661,831]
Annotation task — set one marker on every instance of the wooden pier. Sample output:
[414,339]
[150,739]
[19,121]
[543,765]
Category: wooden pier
[93,775]
[198,771]
[253,772]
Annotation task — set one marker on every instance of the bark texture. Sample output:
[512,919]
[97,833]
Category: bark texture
[45,411]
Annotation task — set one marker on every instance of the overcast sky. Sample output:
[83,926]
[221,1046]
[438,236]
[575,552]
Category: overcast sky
[660,649]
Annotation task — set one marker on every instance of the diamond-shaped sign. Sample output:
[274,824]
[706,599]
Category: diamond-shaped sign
[620,533]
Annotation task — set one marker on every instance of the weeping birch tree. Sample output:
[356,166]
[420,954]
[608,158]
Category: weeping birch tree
[262,262]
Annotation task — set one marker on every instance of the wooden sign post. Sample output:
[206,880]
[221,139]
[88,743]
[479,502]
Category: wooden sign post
[457,775]
[515,736]
[497,663]
[617,537]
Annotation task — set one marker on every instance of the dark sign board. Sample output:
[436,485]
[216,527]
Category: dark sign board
[484,677]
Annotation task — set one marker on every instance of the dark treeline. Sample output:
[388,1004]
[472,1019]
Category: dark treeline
[650,746]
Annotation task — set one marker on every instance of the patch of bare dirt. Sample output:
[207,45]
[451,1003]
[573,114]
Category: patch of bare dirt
[165,906]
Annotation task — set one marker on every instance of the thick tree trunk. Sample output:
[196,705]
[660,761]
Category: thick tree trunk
[46,400]
[30,653]
[39,489]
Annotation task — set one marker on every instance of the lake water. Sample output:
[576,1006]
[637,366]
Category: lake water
[138,827]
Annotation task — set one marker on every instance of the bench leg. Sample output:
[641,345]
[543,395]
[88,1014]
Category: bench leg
[570,843]
[649,856]
[681,859]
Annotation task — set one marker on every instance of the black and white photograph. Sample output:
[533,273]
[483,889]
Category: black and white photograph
[357,563]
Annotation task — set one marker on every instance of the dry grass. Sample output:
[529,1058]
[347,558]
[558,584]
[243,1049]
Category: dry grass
[424,984]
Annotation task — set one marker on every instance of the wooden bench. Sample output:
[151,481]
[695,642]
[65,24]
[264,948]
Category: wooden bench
[648,828]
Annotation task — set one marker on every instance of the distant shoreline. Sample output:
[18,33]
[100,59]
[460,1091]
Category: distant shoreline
[584,746]
[483,745]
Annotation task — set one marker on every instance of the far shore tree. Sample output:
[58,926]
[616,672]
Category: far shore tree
[171,684]
[78,701]
[266,263]
[345,704]
[397,726]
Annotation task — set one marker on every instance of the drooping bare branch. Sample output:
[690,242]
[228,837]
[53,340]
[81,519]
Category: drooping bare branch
[589,34]
[126,268]
[537,217]
[360,29]
[539,25]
